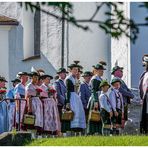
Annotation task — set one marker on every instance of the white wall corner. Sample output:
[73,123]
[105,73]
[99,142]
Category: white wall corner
[120,49]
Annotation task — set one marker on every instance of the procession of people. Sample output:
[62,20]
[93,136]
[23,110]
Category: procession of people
[75,103]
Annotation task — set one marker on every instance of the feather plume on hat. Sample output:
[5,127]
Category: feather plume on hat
[41,72]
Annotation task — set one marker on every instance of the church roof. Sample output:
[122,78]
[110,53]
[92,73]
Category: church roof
[4,20]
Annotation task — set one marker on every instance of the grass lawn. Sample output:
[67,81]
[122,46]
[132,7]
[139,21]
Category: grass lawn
[92,141]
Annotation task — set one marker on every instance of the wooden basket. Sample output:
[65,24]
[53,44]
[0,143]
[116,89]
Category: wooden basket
[67,115]
[94,116]
[29,119]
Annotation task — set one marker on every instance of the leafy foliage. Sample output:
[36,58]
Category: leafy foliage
[115,25]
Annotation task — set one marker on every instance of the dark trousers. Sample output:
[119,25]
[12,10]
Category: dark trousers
[126,112]
[86,114]
[60,111]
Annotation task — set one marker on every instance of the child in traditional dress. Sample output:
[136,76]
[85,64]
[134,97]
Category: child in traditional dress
[116,100]
[105,108]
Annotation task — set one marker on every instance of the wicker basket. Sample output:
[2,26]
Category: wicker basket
[67,115]
[29,119]
[94,116]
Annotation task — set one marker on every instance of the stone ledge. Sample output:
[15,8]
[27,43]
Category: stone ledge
[14,139]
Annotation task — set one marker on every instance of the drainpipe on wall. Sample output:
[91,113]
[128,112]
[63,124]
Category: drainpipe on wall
[63,35]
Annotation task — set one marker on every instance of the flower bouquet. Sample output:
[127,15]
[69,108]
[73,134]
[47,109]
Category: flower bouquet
[51,91]
[2,93]
[38,91]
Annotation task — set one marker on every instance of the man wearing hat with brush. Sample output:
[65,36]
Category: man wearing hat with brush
[61,89]
[117,72]
[85,90]
[19,93]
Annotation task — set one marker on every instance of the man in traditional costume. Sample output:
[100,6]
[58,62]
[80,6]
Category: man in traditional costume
[143,87]
[19,93]
[85,91]
[117,72]
[61,89]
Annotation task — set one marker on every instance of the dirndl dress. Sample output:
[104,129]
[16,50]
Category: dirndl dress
[4,117]
[51,119]
[37,108]
[11,112]
[11,108]
[94,127]
[79,121]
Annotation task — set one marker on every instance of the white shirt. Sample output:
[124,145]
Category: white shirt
[116,99]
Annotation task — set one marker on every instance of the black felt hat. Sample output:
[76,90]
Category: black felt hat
[75,64]
[99,67]
[33,74]
[61,70]
[87,74]
[116,68]
[114,80]
[2,79]
[22,73]
[16,80]
[104,83]
[46,76]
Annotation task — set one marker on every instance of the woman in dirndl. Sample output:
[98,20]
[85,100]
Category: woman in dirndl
[4,118]
[34,104]
[51,119]
[73,101]
[12,106]
[93,104]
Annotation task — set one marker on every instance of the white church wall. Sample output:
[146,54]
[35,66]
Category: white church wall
[4,48]
[50,30]
[91,46]
[88,47]
[120,50]
[16,56]
[28,32]
[141,46]
[51,37]
[49,51]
